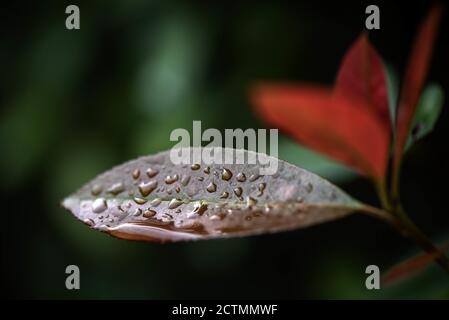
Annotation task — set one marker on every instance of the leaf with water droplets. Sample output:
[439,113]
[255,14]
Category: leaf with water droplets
[204,201]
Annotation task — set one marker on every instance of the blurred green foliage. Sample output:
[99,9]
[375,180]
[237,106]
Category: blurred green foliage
[75,103]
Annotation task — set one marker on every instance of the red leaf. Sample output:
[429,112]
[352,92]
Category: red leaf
[410,267]
[362,76]
[415,75]
[341,127]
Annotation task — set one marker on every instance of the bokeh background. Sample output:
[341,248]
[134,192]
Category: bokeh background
[75,103]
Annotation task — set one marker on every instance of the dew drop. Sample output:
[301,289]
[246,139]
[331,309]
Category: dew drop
[195,166]
[148,213]
[96,190]
[241,177]
[206,170]
[99,205]
[178,210]
[146,188]
[261,188]
[226,174]
[212,187]
[136,173]
[224,195]
[140,200]
[89,222]
[137,212]
[116,188]
[250,201]
[253,177]
[171,179]
[174,203]
[200,179]
[238,191]
[177,189]
[185,180]
[215,217]
[155,202]
[248,218]
[152,172]
[200,207]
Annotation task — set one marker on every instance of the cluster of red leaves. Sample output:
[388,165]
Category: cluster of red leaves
[351,121]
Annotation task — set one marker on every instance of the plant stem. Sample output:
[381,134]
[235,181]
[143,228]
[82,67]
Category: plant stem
[410,230]
[383,195]
[396,216]
[394,187]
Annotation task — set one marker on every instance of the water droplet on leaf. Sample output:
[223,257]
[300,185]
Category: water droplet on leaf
[146,188]
[171,179]
[212,187]
[152,172]
[238,191]
[241,177]
[174,203]
[185,180]
[140,200]
[226,174]
[253,177]
[155,202]
[148,213]
[99,205]
[96,190]
[195,166]
[224,195]
[136,173]
[116,188]
[89,222]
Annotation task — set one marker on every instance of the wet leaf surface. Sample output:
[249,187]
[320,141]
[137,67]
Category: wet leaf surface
[152,199]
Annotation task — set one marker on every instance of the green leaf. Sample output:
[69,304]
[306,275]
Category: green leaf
[427,113]
[152,199]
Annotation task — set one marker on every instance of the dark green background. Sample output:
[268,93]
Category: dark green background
[75,103]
